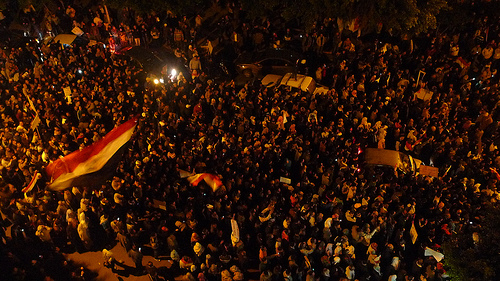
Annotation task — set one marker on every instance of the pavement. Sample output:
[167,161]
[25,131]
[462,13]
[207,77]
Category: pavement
[93,261]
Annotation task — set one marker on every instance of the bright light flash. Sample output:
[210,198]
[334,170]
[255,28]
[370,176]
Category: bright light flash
[156,81]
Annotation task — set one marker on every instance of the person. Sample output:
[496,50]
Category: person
[487,52]
[109,259]
[306,42]
[153,241]
[71,12]
[84,233]
[136,34]
[152,271]
[320,43]
[350,272]
[136,256]
[4,223]
[123,239]
[179,38]
[155,37]
[195,64]
[43,232]
[198,21]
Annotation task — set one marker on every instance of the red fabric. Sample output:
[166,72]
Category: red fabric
[445,228]
[409,146]
[212,180]
[284,235]
[72,160]
[494,171]
[32,182]
[196,179]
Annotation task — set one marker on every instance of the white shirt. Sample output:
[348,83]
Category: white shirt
[349,273]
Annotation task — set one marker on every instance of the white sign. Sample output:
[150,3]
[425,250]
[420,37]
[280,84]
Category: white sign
[285,180]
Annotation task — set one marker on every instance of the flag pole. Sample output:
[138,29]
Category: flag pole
[107,13]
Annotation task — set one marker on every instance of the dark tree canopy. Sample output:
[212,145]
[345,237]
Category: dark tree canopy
[473,253]
[407,16]
[141,6]
[145,6]
[404,16]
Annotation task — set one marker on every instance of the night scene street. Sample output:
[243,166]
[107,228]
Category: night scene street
[220,140]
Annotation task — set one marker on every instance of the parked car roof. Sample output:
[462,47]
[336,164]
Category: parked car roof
[392,158]
[153,61]
[71,40]
[147,60]
[252,57]
[66,39]
[299,81]
[15,38]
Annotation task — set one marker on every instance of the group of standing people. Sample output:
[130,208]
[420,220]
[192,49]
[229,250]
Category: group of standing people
[295,204]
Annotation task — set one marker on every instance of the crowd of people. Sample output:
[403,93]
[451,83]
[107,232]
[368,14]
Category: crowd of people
[333,219]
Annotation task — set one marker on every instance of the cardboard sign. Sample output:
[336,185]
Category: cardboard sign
[429,171]
[424,94]
[160,204]
[67,91]
[285,180]
[431,253]
[35,123]
[77,31]
[67,94]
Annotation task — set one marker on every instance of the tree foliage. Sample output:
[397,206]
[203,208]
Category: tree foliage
[139,5]
[407,16]
[21,4]
[184,7]
[466,259]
